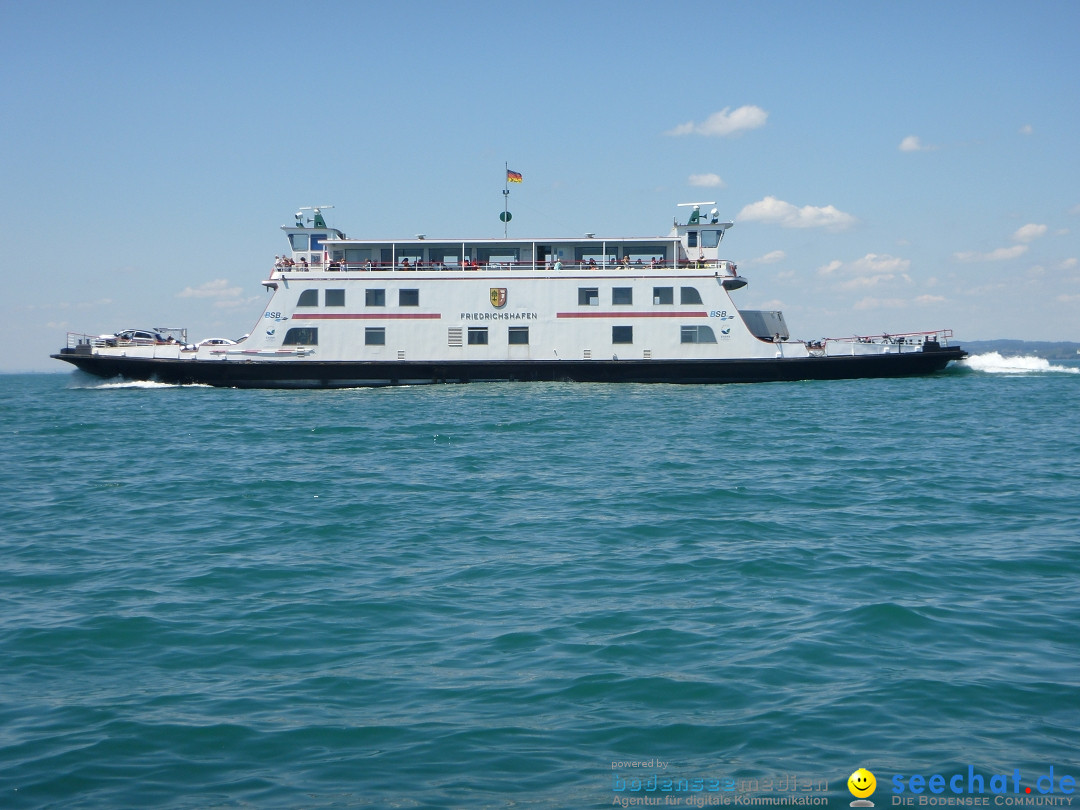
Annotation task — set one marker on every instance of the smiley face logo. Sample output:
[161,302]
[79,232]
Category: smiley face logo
[862,783]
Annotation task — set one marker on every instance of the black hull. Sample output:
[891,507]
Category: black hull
[350,374]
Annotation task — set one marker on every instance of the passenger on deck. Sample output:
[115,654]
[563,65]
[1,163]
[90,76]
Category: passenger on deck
[592,264]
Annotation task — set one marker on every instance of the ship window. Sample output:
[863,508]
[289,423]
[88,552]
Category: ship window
[710,239]
[622,295]
[408,298]
[587,254]
[519,336]
[478,336]
[689,295]
[691,238]
[663,295]
[335,298]
[445,256]
[301,336]
[588,296]
[357,255]
[375,298]
[317,240]
[308,298]
[698,334]
[299,241]
[498,255]
[375,336]
[622,334]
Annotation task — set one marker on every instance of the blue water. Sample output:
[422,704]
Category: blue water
[505,595]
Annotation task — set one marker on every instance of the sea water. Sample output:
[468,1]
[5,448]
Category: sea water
[539,595]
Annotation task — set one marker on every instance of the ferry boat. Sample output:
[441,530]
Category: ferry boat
[346,312]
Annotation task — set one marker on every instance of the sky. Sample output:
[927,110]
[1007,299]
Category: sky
[890,167]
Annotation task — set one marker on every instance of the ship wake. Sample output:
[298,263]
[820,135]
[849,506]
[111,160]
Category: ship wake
[996,363]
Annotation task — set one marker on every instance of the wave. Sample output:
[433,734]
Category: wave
[996,363]
[114,384]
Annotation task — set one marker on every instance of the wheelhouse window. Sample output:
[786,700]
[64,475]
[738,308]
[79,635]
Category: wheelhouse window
[663,295]
[375,336]
[622,295]
[698,334]
[622,334]
[691,239]
[375,298]
[518,336]
[588,296]
[317,240]
[478,335]
[299,241]
[710,239]
[335,298]
[301,336]
[408,298]
[308,298]
[689,295]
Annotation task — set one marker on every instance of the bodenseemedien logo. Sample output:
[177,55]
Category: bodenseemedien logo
[862,785]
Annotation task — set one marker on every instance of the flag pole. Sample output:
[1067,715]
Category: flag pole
[506,201]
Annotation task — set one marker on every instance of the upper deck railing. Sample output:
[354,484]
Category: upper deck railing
[721,268]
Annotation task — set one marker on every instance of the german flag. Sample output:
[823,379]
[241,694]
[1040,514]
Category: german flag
[513,177]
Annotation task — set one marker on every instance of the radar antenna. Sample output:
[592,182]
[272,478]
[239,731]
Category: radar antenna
[695,215]
[318,221]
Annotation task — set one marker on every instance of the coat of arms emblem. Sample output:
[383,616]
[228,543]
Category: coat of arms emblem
[498,297]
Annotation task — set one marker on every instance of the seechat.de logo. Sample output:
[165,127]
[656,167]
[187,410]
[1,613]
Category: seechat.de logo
[862,785]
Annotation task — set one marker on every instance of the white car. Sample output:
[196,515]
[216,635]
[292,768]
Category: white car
[133,337]
[215,342]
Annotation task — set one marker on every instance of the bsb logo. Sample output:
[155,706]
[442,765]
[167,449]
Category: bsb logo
[498,297]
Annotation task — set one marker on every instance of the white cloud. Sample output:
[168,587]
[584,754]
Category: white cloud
[830,268]
[777,212]
[912,143]
[869,271]
[218,288]
[772,257]
[1029,232]
[930,299]
[706,180]
[1027,129]
[1068,264]
[724,123]
[881,303]
[999,255]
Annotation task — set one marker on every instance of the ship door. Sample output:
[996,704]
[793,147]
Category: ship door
[543,255]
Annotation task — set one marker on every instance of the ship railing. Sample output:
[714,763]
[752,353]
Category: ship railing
[77,340]
[722,267]
[902,341]
[81,342]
